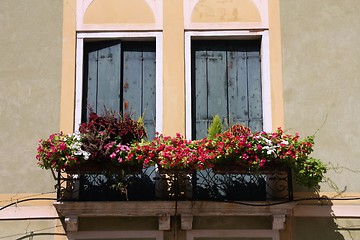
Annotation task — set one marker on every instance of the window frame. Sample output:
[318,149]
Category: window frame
[123,36]
[263,35]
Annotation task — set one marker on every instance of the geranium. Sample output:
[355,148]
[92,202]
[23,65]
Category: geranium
[263,151]
[174,153]
[112,142]
[61,151]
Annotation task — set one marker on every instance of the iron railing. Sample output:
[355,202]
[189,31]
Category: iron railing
[151,184]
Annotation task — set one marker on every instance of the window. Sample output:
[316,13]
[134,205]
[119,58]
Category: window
[120,76]
[225,80]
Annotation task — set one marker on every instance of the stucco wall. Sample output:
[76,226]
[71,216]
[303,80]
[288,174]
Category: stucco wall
[10,230]
[325,228]
[30,67]
[321,76]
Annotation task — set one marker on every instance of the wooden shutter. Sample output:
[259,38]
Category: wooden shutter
[121,76]
[102,81]
[226,81]
[139,98]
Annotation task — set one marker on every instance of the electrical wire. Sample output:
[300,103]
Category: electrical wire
[27,200]
[22,234]
[33,195]
[235,202]
[295,200]
[41,234]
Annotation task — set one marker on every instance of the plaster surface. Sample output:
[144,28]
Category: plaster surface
[30,65]
[321,69]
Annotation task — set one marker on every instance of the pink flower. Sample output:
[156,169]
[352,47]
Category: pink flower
[109,145]
[62,146]
[53,149]
[40,149]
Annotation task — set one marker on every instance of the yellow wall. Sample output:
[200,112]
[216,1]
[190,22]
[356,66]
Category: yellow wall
[277,105]
[118,11]
[173,68]
[229,11]
[67,106]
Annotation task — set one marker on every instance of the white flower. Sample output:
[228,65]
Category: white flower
[76,146]
[268,142]
[84,153]
[76,136]
[270,150]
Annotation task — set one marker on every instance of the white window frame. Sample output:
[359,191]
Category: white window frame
[265,69]
[81,37]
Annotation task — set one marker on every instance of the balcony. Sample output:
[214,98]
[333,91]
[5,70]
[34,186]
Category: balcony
[168,195]
[150,184]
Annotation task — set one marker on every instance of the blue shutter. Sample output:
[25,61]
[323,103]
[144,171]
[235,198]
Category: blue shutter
[121,77]
[102,79]
[244,76]
[254,88]
[139,98]
[226,81]
[149,88]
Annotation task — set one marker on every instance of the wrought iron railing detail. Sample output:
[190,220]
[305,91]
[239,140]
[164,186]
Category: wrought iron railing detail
[151,184]
[243,186]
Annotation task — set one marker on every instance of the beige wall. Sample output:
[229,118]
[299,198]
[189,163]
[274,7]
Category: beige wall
[323,228]
[321,75]
[10,230]
[30,66]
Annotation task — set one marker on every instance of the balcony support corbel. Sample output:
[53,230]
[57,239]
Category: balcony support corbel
[71,224]
[278,222]
[186,221]
[164,222]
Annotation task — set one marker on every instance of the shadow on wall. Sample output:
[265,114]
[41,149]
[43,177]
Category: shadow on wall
[320,228]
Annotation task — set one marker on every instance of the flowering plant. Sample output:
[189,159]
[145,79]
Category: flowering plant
[103,133]
[258,150]
[111,142]
[101,144]
[237,149]
[175,153]
[61,151]
[263,151]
